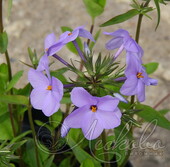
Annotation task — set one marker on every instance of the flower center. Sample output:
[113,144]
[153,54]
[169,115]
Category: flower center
[49,87]
[139,75]
[93,108]
[69,33]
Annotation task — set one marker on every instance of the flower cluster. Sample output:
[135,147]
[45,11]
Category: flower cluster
[136,76]
[92,114]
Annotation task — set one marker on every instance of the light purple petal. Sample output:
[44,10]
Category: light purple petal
[133,66]
[131,46]
[73,35]
[118,33]
[80,97]
[51,105]
[43,65]
[114,43]
[153,81]
[55,48]
[92,128]
[38,97]
[84,33]
[118,113]
[63,36]
[141,91]
[129,88]
[64,130]
[108,120]
[37,79]
[57,88]
[49,41]
[78,117]
[107,103]
[120,97]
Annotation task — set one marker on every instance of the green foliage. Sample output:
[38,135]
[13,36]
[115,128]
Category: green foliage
[33,57]
[122,146]
[14,80]
[70,45]
[14,99]
[6,132]
[151,67]
[87,163]
[158,12]
[164,111]
[80,154]
[149,114]
[94,7]
[3,42]
[65,162]
[121,18]
[3,77]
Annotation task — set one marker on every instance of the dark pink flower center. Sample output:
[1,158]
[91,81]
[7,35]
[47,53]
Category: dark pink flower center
[49,87]
[93,108]
[139,75]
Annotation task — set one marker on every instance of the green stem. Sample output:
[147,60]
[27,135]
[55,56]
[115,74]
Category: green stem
[10,106]
[34,134]
[106,155]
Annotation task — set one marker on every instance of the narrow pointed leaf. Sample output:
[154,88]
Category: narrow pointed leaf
[3,42]
[121,18]
[158,12]
[14,80]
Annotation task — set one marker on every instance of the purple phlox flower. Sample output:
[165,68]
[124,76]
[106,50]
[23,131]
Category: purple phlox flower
[93,115]
[49,43]
[68,36]
[122,40]
[136,81]
[120,97]
[86,49]
[47,92]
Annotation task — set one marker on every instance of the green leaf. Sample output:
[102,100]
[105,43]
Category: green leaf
[65,162]
[149,114]
[6,132]
[79,153]
[66,100]
[123,138]
[14,80]
[121,18]
[164,111]
[49,161]
[3,42]
[158,12]
[94,7]
[151,67]
[70,45]
[56,118]
[9,7]
[3,77]
[14,99]
[87,163]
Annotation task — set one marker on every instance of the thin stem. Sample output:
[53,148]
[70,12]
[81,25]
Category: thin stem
[106,155]
[10,107]
[161,101]
[61,60]
[34,134]
[79,50]
[1,18]
[91,31]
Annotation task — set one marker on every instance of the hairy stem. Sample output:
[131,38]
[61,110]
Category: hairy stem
[33,134]
[106,155]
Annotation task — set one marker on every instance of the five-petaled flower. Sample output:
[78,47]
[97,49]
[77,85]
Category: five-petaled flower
[67,37]
[136,80]
[93,115]
[47,92]
[122,40]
